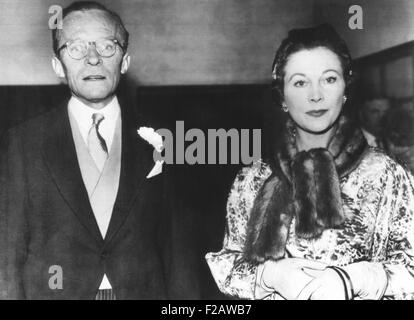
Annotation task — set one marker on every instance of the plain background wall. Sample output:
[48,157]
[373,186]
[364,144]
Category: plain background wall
[199,42]
[173,42]
[386,23]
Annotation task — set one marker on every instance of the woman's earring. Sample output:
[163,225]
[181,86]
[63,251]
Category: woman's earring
[344,99]
[284,107]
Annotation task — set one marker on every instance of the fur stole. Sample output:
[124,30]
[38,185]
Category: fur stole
[304,185]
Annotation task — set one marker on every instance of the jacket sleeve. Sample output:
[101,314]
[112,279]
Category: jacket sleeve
[234,276]
[13,222]
[399,264]
[179,246]
[390,274]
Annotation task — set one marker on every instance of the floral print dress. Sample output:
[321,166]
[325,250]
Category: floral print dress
[378,200]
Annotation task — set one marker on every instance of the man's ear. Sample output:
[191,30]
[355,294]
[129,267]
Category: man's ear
[126,59]
[58,67]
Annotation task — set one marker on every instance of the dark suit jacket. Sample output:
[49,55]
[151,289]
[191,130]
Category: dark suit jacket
[46,220]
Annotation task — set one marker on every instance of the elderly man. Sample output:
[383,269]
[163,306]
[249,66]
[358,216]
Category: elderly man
[80,215]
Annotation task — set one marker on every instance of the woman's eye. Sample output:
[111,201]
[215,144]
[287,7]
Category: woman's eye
[299,83]
[331,79]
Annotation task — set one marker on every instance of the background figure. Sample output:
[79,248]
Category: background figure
[325,216]
[399,134]
[389,127]
[371,115]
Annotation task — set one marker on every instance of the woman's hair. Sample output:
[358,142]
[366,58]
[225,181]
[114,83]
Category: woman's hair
[323,35]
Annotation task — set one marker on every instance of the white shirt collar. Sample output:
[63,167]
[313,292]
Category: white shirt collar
[83,116]
[371,139]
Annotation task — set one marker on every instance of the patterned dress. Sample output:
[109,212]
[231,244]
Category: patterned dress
[378,200]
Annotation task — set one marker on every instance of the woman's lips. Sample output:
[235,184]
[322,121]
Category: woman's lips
[317,113]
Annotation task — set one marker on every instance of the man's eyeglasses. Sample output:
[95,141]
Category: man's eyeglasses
[79,49]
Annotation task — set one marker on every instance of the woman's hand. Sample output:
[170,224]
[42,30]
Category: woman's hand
[367,280]
[326,285]
[286,276]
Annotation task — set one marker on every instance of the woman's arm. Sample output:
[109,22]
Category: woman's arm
[234,276]
[390,273]
[399,263]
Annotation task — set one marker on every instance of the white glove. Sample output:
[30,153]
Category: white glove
[361,280]
[326,285]
[369,279]
[284,277]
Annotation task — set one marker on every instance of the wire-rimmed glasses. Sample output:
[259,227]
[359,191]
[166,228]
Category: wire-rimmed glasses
[78,49]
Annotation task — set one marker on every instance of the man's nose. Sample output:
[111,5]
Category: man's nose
[315,94]
[92,56]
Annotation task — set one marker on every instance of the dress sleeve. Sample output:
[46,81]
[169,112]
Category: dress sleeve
[234,276]
[399,263]
[390,272]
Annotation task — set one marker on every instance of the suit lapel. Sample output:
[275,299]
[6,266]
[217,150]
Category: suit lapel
[60,155]
[136,163]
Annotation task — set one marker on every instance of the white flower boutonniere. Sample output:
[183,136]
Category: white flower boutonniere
[154,139]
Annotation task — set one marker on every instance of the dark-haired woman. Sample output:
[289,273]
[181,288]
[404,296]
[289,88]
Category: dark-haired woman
[326,216]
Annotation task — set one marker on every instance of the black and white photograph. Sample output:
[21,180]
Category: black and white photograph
[206,150]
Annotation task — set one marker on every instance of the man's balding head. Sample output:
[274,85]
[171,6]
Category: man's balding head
[91,52]
[97,10]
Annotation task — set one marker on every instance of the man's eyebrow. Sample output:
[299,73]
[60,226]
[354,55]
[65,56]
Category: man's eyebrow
[100,38]
[331,70]
[296,74]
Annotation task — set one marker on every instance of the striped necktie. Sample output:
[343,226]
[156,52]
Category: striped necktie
[105,294]
[96,144]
